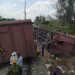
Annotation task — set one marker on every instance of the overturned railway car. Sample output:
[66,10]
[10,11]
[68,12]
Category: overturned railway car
[57,43]
[16,36]
[63,44]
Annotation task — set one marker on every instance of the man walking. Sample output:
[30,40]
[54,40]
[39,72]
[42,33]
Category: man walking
[20,62]
[43,48]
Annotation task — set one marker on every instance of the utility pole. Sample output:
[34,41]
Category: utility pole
[25,10]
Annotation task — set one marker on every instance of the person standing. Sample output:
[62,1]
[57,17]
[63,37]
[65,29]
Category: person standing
[13,57]
[43,48]
[20,62]
[35,42]
[14,68]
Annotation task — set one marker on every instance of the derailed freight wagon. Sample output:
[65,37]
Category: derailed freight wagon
[63,44]
[16,36]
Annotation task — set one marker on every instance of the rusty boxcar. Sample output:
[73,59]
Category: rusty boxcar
[63,44]
[59,44]
[16,36]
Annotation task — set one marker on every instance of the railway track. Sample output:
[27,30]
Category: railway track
[37,67]
[26,70]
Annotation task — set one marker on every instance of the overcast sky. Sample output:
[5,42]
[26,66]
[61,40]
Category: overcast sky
[15,8]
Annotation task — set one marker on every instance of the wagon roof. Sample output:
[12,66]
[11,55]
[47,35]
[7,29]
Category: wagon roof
[66,38]
[66,35]
[14,22]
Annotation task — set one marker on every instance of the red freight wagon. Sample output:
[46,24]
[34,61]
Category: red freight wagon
[64,44]
[16,36]
[57,43]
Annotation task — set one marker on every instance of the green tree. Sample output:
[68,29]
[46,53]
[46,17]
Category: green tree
[37,20]
[6,19]
[66,13]
[40,20]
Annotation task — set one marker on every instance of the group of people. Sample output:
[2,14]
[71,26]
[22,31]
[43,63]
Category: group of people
[17,59]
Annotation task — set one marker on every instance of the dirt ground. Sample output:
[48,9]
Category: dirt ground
[67,64]
[39,67]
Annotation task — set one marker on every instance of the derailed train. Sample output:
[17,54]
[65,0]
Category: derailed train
[16,36]
[60,44]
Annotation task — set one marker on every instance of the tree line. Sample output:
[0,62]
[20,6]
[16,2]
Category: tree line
[6,19]
[65,18]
